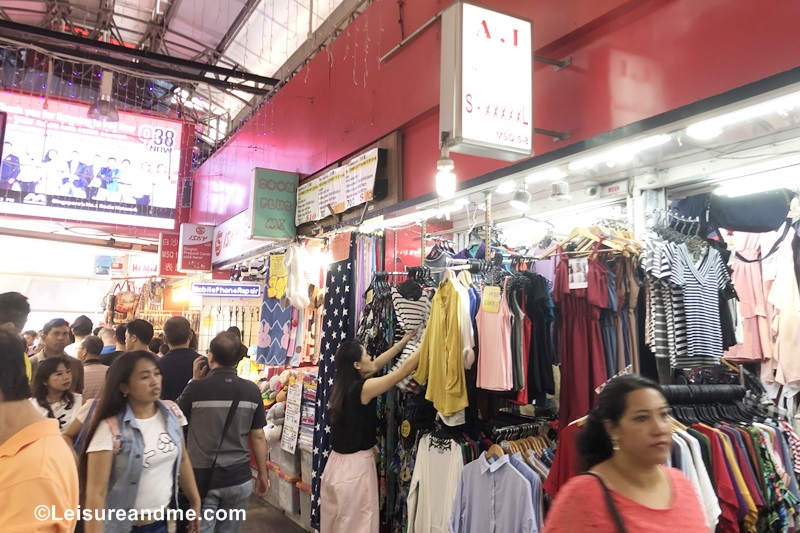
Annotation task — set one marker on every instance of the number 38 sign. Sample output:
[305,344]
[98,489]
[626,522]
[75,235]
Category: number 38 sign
[158,139]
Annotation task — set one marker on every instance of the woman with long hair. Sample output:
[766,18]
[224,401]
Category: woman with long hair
[51,394]
[135,459]
[349,491]
[623,446]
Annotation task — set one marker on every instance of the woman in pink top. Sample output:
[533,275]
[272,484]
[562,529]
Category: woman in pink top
[623,446]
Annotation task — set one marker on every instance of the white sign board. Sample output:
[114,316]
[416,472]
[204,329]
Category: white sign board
[230,238]
[486,94]
[291,426]
[338,189]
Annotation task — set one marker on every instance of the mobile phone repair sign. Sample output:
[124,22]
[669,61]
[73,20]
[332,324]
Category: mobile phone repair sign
[232,290]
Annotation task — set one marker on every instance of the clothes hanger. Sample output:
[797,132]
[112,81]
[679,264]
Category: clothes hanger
[494,451]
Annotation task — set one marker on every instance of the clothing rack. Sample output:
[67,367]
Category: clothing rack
[702,394]
[518,431]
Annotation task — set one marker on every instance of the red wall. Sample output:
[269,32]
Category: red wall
[631,60]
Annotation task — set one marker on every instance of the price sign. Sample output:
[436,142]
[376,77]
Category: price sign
[291,426]
[491,299]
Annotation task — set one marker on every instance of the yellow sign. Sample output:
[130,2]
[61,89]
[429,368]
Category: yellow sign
[491,299]
[405,429]
[276,266]
[276,285]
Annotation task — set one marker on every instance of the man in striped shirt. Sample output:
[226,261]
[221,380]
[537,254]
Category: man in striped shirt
[94,371]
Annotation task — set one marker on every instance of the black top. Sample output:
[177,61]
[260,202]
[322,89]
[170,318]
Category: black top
[206,403]
[356,428]
[108,358]
[176,371]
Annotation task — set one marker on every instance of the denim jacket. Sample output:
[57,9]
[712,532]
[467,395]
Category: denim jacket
[127,466]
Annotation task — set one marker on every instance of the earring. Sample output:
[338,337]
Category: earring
[614,444]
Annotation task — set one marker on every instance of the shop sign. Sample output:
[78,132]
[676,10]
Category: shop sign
[195,248]
[140,266]
[229,290]
[168,255]
[230,238]
[486,91]
[340,189]
[273,207]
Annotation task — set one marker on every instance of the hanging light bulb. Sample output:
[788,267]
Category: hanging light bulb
[445,184]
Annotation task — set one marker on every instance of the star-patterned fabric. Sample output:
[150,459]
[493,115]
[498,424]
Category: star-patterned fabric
[339,302]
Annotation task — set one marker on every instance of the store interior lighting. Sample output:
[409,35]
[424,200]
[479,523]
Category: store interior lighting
[403,220]
[506,188]
[621,154]
[551,174]
[712,128]
[521,200]
[445,184]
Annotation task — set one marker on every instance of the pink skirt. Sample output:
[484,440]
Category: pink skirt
[349,494]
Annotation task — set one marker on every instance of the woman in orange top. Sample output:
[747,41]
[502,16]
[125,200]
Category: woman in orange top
[624,445]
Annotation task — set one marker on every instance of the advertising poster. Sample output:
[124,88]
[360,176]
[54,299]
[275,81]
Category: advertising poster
[59,163]
[195,248]
[274,200]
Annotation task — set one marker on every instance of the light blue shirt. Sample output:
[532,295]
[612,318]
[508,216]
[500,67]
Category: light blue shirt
[493,498]
[536,487]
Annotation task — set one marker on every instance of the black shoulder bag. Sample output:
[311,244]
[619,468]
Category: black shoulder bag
[203,487]
[612,507]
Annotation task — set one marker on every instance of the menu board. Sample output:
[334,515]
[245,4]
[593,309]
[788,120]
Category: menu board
[361,174]
[338,189]
[331,192]
[307,203]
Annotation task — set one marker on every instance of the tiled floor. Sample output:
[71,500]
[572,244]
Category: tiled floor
[264,518]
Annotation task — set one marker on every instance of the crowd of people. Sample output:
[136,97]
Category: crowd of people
[118,419]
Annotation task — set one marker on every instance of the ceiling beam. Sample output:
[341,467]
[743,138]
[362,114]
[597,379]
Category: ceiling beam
[175,66]
[244,15]
[89,241]
[157,27]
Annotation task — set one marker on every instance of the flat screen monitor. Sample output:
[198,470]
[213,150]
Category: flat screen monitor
[59,163]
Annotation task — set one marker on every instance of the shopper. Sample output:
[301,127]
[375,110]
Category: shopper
[238,334]
[30,340]
[138,335]
[94,372]
[176,364]
[36,466]
[221,459]
[80,329]
[119,337]
[623,446]
[145,471]
[109,340]
[349,492]
[56,335]
[14,311]
[51,391]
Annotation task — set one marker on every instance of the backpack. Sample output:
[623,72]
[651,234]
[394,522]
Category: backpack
[113,423]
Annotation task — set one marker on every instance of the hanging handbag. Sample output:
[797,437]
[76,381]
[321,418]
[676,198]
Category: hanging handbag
[125,298]
[754,213]
[612,507]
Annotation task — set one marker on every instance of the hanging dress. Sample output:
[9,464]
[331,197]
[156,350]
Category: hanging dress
[583,365]
[494,338]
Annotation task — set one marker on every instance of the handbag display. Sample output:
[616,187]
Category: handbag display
[754,213]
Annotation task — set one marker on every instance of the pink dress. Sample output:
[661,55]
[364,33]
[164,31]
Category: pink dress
[494,347]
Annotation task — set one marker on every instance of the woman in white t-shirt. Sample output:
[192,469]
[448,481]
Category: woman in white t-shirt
[51,395]
[135,456]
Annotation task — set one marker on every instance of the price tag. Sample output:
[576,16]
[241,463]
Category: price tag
[368,297]
[491,299]
[405,429]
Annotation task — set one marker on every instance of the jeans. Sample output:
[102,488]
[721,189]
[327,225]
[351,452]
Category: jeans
[225,499]
[157,527]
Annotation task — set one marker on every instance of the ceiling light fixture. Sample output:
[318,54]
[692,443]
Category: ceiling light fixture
[622,154]
[104,109]
[551,174]
[446,182]
[712,128]
[506,188]
[521,200]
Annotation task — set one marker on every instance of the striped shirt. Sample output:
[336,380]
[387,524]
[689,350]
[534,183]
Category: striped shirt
[411,315]
[701,284]
[94,379]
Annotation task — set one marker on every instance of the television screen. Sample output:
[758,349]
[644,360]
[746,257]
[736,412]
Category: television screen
[59,163]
